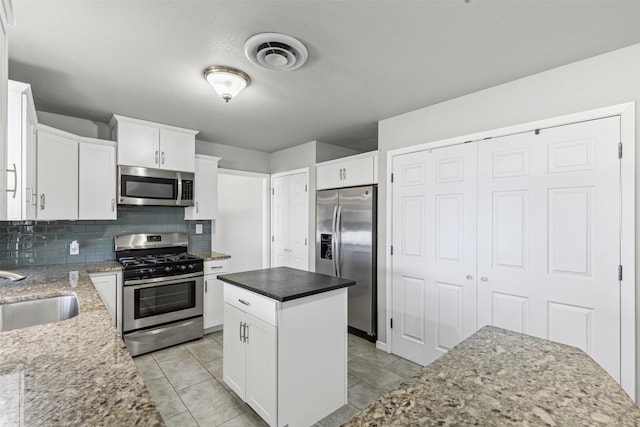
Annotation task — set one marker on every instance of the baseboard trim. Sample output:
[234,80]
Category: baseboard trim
[381,345]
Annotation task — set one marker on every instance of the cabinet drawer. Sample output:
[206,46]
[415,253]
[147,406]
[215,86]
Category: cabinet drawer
[257,305]
[216,266]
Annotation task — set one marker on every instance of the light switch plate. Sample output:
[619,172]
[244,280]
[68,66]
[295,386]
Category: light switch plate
[198,228]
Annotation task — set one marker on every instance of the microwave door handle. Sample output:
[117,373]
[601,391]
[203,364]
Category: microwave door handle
[179,198]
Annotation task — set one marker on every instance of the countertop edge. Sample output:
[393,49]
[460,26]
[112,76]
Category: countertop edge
[287,297]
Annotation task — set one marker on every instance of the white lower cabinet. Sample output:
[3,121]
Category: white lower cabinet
[287,360]
[250,361]
[108,285]
[213,315]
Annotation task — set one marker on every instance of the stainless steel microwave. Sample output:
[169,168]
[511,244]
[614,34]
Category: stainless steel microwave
[154,187]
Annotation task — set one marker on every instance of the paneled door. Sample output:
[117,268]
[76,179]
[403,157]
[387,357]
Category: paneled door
[290,221]
[548,236]
[434,251]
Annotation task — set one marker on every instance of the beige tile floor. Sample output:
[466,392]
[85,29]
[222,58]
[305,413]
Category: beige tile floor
[186,383]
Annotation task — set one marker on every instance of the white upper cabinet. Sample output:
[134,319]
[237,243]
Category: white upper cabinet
[97,179]
[205,204]
[154,145]
[361,169]
[21,157]
[5,18]
[57,174]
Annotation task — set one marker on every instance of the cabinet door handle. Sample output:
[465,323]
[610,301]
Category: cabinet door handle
[344,173]
[113,205]
[42,202]
[156,157]
[244,302]
[205,285]
[240,331]
[246,332]
[196,204]
[163,157]
[15,181]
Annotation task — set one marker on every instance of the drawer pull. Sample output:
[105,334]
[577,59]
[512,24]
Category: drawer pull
[215,267]
[244,302]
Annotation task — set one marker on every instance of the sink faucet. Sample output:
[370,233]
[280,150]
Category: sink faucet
[11,276]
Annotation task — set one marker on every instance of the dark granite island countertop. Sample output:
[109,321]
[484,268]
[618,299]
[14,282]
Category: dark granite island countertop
[284,283]
[499,377]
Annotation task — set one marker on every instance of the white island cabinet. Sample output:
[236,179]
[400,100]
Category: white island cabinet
[285,343]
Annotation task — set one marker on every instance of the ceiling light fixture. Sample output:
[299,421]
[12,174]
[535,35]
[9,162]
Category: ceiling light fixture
[227,81]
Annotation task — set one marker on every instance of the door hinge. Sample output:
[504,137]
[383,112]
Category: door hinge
[273,192]
[392,178]
[391,249]
[620,273]
[305,188]
[305,241]
[619,150]
[273,239]
[391,321]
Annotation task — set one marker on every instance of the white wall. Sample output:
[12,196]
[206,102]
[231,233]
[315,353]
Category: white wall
[75,125]
[300,156]
[326,152]
[241,227]
[236,158]
[604,80]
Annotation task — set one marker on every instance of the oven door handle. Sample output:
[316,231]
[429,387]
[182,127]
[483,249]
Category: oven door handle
[144,283]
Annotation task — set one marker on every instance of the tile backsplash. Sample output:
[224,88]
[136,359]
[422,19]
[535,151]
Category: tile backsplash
[24,243]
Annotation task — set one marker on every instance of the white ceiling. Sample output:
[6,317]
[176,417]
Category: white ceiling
[368,60]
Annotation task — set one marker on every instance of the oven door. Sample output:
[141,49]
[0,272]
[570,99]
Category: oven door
[151,302]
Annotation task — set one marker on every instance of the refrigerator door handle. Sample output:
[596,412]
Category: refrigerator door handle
[333,241]
[339,241]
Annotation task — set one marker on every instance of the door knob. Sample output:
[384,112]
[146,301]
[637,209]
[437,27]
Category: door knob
[469,277]
[484,279]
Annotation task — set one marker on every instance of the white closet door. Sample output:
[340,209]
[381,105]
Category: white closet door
[548,236]
[280,222]
[298,222]
[290,221]
[434,240]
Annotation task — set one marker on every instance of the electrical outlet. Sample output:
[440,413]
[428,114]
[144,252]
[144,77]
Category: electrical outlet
[74,248]
[73,278]
[198,228]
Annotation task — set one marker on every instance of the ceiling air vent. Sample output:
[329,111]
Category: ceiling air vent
[275,51]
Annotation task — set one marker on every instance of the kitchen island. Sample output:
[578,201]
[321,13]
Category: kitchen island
[285,343]
[72,372]
[499,377]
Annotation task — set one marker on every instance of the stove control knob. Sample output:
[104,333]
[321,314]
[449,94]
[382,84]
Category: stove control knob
[191,266]
[167,269]
[183,267]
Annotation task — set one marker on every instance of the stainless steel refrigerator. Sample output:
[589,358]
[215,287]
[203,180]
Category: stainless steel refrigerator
[346,247]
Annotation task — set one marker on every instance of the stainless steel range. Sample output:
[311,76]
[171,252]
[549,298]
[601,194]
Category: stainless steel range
[163,290]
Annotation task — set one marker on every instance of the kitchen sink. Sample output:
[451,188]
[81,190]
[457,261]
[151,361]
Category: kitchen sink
[21,314]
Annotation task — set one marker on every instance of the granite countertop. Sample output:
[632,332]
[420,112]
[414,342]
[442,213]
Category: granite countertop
[212,256]
[284,283]
[73,372]
[498,377]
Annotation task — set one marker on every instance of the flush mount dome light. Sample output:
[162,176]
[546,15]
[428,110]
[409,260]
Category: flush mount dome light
[275,51]
[227,81]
